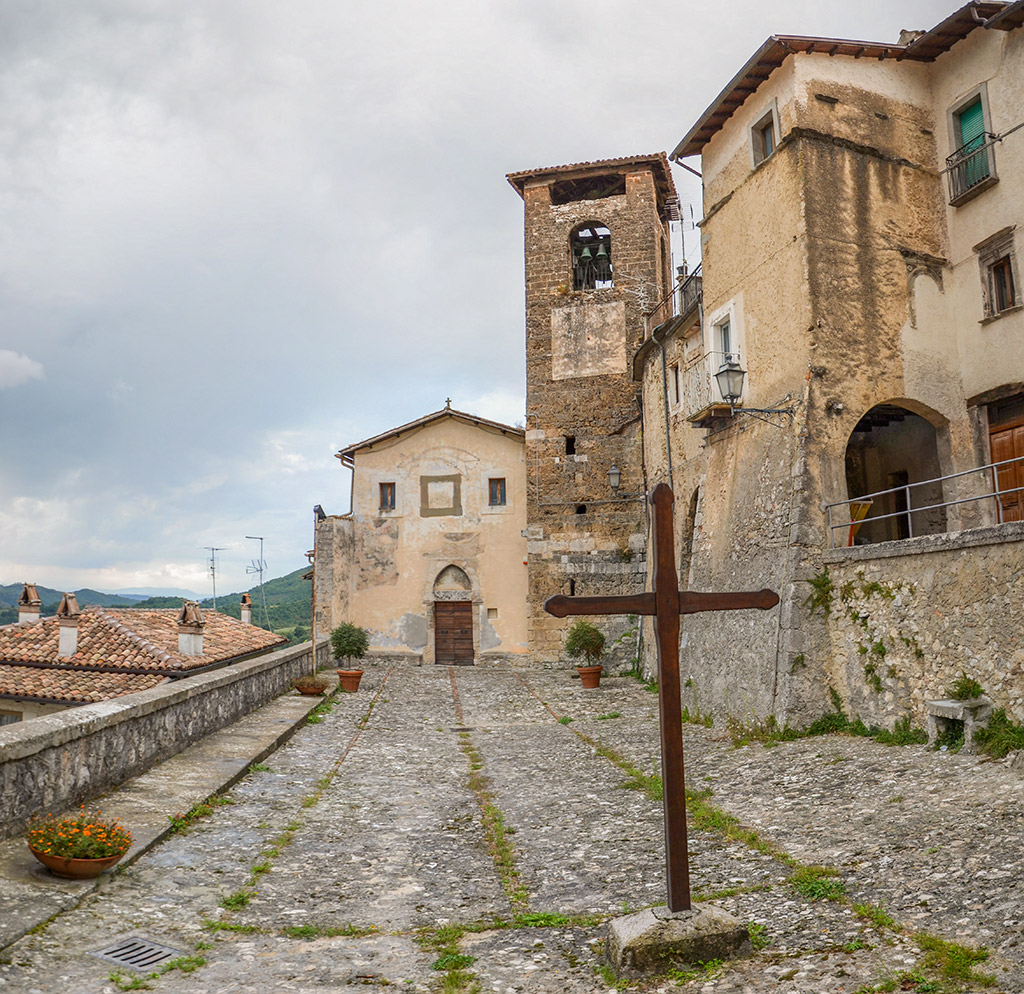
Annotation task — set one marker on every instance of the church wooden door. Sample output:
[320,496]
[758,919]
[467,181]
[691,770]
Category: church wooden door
[1008,443]
[453,633]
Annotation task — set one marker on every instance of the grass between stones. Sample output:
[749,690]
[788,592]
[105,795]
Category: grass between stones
[945,966]
[140,982]
[495,830]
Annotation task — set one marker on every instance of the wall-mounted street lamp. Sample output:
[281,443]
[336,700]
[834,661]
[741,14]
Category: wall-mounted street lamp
[730,385]
[614,477]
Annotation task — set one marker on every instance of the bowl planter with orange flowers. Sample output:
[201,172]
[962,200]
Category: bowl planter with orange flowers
[80,846]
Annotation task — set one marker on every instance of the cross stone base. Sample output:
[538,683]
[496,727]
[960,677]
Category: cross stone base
[656,939]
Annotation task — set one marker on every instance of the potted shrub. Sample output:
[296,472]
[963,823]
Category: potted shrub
[80,846]
[349,642]
[587,640]
[311,686]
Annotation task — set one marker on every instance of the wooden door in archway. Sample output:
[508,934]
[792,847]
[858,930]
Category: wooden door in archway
[453,633]
[1008,443]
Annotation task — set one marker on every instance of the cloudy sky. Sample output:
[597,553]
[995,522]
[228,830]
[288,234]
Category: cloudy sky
[237,235]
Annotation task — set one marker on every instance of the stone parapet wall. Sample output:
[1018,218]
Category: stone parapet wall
[59,760]
[905,618]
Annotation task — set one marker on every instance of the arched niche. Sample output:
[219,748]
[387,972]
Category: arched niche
[891,456]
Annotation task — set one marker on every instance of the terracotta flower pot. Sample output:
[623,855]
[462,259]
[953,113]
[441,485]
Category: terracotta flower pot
[590,676]
[348,680]
[75,869]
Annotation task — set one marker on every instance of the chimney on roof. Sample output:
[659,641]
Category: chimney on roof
[29,603]
[190,629]
[67,618]
[246,609]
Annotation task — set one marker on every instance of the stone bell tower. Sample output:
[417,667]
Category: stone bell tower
[598,279]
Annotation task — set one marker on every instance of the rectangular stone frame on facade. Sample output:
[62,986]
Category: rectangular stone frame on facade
[453,510]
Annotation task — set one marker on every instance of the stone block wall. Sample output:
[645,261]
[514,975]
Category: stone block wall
[583,538]
[906,618]
[60,760]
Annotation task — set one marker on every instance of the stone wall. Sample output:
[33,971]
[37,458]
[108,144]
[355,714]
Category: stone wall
[59,760]
[906,618]
[583,539]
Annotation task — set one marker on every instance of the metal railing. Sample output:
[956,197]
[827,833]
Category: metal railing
[698,388]
[998,493]
[971,165]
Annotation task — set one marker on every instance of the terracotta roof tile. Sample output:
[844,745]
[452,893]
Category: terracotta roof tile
[78,686]
[121,641]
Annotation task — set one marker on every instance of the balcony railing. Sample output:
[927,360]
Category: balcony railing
[699,393]
[690,291]
[971,169]
[997,484]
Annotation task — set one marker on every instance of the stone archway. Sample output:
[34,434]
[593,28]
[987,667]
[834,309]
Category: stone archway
[890,448]
[454,635]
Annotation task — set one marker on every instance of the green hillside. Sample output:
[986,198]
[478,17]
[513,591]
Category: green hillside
[288,603]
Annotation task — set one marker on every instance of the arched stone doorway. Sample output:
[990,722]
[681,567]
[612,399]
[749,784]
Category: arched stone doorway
[892,448]
[454,638]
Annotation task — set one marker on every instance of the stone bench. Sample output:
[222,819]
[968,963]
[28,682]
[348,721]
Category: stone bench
[971,714]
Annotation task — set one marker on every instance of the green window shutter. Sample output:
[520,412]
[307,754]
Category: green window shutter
[972,126]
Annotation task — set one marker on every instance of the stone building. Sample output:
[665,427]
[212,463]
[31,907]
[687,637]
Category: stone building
[82,656]
[431,557]
[860,268]
[598,268]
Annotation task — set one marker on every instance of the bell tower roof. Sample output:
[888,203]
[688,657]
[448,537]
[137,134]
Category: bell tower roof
[577,181]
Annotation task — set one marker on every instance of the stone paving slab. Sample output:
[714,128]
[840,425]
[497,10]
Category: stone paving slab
[31,895]
[391,783]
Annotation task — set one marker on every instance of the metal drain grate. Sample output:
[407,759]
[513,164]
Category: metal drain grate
[137,953]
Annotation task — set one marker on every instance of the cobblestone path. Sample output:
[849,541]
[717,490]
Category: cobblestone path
[454,830]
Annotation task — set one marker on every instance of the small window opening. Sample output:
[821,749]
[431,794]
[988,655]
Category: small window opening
[387,496]
[763,138]
[581,508]
[675,384]
[570,445]
[572,588]
[1003,295]
[492,613]
[591,246]
[496,492]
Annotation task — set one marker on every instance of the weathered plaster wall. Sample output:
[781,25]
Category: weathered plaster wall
[907,618]
[382,567]
[60,760]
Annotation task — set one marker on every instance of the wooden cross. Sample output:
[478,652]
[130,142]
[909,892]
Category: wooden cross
[665,603]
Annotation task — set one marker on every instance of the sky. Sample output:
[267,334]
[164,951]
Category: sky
[236,236]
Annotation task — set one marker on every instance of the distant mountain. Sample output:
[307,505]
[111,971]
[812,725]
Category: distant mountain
[10,592]
[142,593]
[288,604]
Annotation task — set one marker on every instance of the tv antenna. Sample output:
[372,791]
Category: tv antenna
[258,567]
[213,550]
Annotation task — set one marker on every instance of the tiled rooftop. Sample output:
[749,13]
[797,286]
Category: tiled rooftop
[116,642]
[43,683]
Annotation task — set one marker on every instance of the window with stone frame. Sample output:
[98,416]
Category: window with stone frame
[590,246]
[387,496]
[997,264]
[764,135]
[496,491]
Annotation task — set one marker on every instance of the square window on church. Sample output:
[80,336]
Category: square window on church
[387,496]
[496,491]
